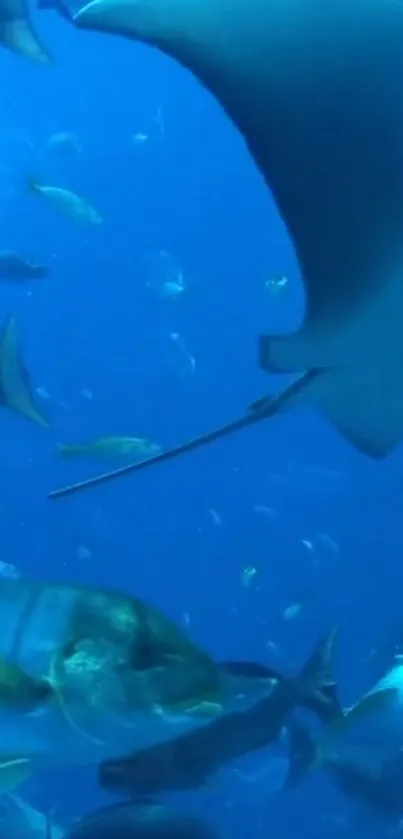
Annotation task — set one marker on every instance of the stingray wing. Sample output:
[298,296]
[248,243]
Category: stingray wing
[16,392]
[17,32]
[316,90]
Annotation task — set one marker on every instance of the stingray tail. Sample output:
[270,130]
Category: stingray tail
[259,411]
[362,400]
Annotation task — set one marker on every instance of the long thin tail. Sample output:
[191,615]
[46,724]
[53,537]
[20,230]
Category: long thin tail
[259,411]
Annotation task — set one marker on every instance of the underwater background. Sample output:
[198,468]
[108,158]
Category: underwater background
[257,544]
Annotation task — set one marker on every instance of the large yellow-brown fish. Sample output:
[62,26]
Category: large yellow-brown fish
[84,672]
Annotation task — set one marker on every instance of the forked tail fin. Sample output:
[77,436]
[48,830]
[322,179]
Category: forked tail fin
[315,681]
[305,753]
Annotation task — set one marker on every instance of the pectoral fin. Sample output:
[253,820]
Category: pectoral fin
[205,709]
[374,702]
[16,391]
[17,32]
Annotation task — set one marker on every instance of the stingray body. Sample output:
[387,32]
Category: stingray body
[316,91]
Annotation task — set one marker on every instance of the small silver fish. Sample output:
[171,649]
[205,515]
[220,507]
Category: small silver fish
[67,203]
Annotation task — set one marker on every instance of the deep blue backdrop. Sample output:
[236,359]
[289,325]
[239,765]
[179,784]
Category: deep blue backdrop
[193,192]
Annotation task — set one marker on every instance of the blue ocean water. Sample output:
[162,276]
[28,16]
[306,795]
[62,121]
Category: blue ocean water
[319,523]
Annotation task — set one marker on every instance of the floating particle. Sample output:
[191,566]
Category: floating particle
[87,393]
[215,518]
[186,618]
[139,139]
[276,284]
[9,571]
[164,276]
[43,392]
[64,142]
[292,611]
[172,289]
[307,544]
[159,121]
[248,574]
[83,552]
[186,361]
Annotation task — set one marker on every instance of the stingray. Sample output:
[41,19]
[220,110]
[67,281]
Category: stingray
[316,91]
[15,387]
[17,32]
